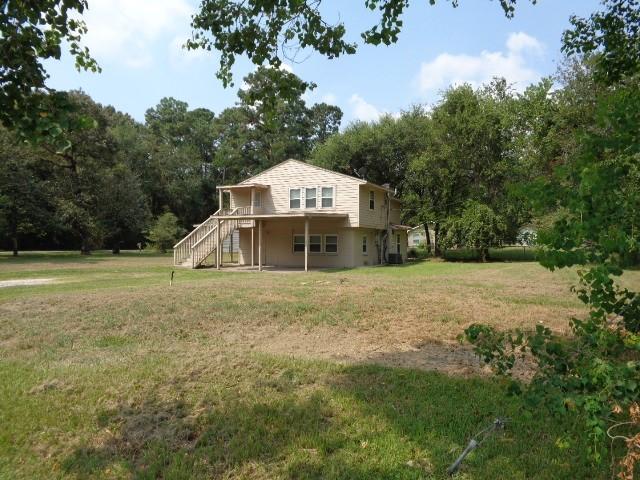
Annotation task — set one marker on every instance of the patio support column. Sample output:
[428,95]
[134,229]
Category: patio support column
[259,245]
[220,198]
[218,256]
[253,196]
[252,246]
[306,244]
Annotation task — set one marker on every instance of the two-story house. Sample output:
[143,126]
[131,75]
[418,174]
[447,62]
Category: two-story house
[299,215]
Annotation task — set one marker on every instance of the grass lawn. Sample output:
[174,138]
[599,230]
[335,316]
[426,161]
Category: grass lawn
[108,372]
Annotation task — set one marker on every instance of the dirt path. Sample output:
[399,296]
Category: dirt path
[25,281]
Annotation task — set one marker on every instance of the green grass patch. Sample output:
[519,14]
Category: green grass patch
[110,373]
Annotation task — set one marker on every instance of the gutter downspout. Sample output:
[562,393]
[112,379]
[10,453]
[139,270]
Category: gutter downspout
[389,233]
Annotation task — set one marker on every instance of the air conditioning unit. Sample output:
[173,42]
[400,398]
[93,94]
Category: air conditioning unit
[395,258]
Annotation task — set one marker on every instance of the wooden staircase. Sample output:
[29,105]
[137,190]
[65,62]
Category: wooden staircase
[194,249]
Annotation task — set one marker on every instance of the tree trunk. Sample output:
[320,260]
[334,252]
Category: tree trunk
[14,242]
[428,237]
[116,248]
[84,247]
[436,240]
[484,255]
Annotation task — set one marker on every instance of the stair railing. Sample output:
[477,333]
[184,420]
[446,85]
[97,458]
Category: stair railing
[182,249]
[206,245]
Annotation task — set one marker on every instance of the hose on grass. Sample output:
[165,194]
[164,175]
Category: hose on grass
[477,440]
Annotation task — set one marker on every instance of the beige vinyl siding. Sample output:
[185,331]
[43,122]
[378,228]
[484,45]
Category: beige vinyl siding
[376,218]
[240,198]
[295,174]
[394,215]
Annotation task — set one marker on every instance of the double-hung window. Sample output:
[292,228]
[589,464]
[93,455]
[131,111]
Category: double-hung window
[294,198]
[365,250]
[327,197]
[310,197]
[315,243]
[331,243]
[372,200]
[298,243]
[398,243]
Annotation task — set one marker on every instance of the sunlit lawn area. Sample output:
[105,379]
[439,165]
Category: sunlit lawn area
[109,372]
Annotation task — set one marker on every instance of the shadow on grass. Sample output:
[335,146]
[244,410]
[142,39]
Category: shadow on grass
[358,422]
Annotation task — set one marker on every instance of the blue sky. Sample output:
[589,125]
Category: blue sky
[137,44]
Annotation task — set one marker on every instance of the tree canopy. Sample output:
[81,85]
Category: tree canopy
[269,31]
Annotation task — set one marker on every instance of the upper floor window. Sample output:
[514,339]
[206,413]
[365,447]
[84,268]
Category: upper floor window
[327,197]
[372,200]
[310,197]
[257,198]
[294,198]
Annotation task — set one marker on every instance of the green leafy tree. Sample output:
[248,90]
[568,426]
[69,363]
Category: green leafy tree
[376,151]
[257,134]
[465,156]
[594,371]
[77,170]
[610,36]
[122,207]
[25,203]
[477,227]
[31,33]
[165,232]
[267,31]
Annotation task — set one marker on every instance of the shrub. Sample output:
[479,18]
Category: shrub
[165,232]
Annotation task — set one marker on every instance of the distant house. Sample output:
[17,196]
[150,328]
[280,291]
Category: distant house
[300,215]
[417,237]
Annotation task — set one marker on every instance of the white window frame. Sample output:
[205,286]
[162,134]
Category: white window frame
[293,243]
[301,235]
[333,196]
[315,204]
[299,198]
[372,200]
[319,243]
[365,245]
[325,243]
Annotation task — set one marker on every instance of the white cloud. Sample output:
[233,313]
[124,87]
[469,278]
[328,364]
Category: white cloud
[125,31]
[329,98]
[285,67]
[362,110]
[448,69]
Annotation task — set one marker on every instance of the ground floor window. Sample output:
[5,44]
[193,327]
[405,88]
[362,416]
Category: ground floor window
[364,245]
[315,243]
[331,243]
[298,243]
[398,243]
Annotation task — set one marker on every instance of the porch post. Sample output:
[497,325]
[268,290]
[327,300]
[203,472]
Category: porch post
[253,196]
[259,245]
[218,256]
[252,245]
[220,199]
[306,244]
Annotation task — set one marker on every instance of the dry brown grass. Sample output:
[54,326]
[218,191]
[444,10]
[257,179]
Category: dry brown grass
[408,316]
